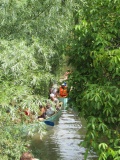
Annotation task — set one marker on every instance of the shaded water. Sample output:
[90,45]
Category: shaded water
[62,141]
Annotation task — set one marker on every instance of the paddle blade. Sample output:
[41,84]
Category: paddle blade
[49,123]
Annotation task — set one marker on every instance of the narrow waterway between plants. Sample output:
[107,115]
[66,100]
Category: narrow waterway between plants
[62,141]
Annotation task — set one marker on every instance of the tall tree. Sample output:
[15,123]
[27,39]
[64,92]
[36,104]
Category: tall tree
[31,41]
[94,53]
[32,34]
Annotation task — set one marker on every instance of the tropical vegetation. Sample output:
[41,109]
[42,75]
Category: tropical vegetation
[31,35]
[36,37]
[94,51]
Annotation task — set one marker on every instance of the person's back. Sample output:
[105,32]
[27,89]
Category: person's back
[49,111]
[52,96]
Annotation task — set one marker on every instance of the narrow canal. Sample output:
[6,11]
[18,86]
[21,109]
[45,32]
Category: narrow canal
[62,140]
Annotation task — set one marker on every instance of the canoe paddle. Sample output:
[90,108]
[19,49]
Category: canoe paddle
[49,123]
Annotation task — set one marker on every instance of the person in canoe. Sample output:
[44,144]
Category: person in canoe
[63,90]
[54,98]
[41,113]
[50,111]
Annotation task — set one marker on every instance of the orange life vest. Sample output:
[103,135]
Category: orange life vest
[63,92]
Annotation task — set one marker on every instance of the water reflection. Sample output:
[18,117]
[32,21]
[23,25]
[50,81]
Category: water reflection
[62,141]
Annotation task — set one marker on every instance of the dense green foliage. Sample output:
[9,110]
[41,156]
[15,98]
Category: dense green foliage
[32,33]
[94,52]
[34,36]
[15,137]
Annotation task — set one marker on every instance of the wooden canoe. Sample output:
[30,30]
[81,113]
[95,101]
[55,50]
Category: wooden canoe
[55,116]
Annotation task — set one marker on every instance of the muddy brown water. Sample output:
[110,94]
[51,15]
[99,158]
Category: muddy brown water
[62,141]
